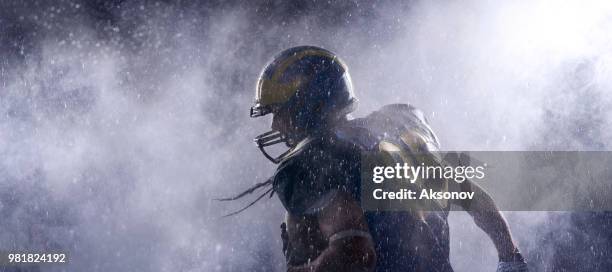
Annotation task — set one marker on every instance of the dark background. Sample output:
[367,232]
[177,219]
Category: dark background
[121,120]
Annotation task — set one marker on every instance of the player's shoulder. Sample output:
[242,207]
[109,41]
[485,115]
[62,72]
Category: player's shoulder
[310,178]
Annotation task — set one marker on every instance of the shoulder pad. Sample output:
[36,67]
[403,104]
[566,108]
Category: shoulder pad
[394,120]
[357,134]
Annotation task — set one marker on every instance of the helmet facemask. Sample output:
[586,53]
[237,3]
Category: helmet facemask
[290,134]
[270,138]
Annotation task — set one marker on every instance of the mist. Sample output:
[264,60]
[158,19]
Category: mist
[121,121]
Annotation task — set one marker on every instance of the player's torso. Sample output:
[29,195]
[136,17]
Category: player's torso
[403,241]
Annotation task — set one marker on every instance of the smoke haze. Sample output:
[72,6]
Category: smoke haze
[120,121]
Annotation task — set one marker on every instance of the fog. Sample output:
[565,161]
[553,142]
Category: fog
[121,121]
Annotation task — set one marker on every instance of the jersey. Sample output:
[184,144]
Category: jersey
[331,162]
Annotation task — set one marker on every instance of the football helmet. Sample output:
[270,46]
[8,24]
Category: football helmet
[310,87]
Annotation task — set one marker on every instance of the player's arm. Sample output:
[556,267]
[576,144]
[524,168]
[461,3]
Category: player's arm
[350,245]
[487,217]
